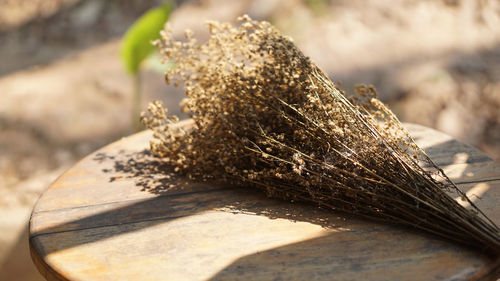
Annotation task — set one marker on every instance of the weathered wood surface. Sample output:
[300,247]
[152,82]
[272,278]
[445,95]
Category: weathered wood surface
[111,217]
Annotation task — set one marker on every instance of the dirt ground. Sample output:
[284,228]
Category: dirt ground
[64,93]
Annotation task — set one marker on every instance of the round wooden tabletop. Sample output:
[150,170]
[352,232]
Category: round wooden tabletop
[116,216]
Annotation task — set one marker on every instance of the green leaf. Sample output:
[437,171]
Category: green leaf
[136,43]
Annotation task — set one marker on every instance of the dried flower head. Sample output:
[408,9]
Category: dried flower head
[266,116]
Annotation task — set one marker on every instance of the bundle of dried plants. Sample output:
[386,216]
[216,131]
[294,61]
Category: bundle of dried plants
[266,116]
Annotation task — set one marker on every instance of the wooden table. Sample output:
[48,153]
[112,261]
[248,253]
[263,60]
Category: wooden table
[114,216]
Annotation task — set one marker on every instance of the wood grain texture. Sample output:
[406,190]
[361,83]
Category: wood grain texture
[116,216]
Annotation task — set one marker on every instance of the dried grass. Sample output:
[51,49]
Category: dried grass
[267,117]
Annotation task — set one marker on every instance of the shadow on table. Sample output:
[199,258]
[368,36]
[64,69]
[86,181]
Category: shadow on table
[356,257]
[176,198]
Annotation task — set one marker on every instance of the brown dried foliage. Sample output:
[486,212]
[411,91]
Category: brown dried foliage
[266,116]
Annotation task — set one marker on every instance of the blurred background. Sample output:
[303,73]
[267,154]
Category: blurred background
[64,91]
